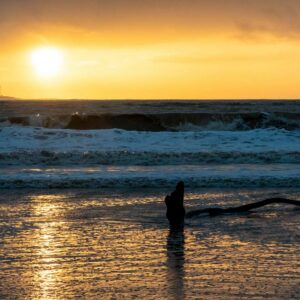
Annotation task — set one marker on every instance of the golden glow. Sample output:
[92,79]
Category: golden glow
[47,61]
[130,49]
[193,70]
[71,245]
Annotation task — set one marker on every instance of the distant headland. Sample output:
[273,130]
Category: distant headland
[2,97]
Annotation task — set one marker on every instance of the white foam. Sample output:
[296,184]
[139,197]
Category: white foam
[206,158]
[13,139]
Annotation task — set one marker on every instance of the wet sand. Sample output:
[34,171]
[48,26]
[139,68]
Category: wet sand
[116,244]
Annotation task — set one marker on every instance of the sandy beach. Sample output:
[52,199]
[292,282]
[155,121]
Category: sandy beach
[116,244]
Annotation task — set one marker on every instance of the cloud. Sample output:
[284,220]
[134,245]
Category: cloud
[279,20]
[147,21]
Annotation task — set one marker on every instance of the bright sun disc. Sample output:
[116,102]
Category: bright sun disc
[47,62]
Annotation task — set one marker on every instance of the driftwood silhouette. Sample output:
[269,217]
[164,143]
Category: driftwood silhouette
[176,212]
[242,208]
[175,206]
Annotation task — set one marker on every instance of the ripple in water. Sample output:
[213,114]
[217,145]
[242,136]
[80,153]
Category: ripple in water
[107,244]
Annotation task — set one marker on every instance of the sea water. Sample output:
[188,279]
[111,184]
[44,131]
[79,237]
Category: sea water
[82,185]
[149,143]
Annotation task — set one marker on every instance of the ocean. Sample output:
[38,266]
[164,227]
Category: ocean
[78,144]
[82,188]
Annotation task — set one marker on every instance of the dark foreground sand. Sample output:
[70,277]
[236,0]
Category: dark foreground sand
[105,244]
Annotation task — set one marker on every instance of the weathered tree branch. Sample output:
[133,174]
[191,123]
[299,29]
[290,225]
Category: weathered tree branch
[241,209]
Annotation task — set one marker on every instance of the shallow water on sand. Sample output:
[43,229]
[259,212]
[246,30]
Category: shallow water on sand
[116,244]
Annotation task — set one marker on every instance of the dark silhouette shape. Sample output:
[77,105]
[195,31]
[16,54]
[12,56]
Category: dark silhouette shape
[176,211]
[175,207]
[175,262]
[121,121]
[242,208]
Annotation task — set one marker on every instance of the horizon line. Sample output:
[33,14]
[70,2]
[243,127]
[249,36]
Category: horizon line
[11,98]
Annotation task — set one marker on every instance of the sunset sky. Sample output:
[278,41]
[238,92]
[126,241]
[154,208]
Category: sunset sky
[150,49]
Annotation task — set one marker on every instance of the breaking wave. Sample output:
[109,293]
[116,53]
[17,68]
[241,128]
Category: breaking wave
[40,146]
[163,121]
[149,144]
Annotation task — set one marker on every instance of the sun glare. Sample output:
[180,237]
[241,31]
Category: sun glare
[47,61]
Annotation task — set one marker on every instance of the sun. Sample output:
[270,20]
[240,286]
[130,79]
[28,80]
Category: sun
[47,61]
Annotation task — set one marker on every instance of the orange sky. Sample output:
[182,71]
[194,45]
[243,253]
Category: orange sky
[152,49]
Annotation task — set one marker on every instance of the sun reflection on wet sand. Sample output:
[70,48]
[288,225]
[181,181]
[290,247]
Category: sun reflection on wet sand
[48,271]
[77,244]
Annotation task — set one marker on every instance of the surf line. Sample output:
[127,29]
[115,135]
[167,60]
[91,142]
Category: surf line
[176,211]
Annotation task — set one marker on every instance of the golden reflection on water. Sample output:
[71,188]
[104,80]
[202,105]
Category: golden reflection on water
[61,246]
[44,242]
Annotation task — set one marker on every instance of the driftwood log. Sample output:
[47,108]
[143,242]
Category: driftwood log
[176,211]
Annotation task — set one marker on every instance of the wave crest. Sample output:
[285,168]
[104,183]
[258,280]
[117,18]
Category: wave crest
[163,122]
